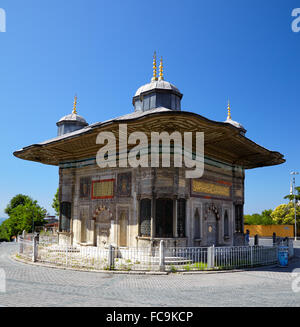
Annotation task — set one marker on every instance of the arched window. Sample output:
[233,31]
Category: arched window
[181,204]
[145,217]
[197,226]
[226,224]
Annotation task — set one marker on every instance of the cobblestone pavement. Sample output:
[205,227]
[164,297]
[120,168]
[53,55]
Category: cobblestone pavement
[28,285]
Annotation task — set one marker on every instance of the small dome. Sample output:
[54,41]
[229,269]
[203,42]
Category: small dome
[235,124]
[72,118]
[160,85]
[71,122]
[158,93]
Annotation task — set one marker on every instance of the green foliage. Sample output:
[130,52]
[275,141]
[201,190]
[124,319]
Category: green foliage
[19,199]
[22,211]
[4,231]
[292,197]
[196,266]
[55,203]
[284,214]
[265,218]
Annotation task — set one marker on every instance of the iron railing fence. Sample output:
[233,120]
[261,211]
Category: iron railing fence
[70,256]
[136,259]
[25,248]
[43,237]
[48,238]
[148,259]
[215,258]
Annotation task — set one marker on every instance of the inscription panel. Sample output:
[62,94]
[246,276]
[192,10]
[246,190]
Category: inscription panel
[103,189]
[215,189]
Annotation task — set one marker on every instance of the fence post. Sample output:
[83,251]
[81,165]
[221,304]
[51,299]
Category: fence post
[111,257]
[291,248]
[67,255]
[251,255]
[211,257]
[274,239]
[21,245]
[161,256]
[34,249]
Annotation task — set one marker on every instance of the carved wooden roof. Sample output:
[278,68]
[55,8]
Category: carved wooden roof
[223,141]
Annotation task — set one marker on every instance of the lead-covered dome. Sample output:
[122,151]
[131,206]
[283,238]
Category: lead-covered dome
[71,122]
[157,85]
[157,93]
[233,122]
[72,118]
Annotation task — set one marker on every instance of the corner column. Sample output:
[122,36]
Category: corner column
[175,217]
[153,215]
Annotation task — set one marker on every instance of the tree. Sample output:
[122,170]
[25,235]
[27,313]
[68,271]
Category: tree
[292,197]
[23,212]
[284,214]
[259,219]
[253,219]
[17,200]
[4,231]
[55,203]
[266,217]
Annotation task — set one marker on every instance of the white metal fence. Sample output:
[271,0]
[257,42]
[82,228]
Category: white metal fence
[147,259]
[25,248]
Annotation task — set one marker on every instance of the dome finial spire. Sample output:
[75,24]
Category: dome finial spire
[75,105]
[154,78]
[228,111]
[161,69]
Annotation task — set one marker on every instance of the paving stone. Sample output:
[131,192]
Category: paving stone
[28,285]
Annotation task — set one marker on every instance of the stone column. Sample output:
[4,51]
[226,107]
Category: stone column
[161,256]
[34,248]
[74,209]
[153,215]
[175,217]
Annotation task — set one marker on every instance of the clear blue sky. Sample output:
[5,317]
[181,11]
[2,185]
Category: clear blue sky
[102,50]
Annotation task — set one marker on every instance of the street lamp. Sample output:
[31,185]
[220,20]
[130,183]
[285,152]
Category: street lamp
[293,173]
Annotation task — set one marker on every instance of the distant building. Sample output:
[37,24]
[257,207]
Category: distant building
[141,206]
[52,223]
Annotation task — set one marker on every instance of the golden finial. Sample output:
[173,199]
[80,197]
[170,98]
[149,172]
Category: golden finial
[228,111]
[75,105]
[161,68]
[154,78]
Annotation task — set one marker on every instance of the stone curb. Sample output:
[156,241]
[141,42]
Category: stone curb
[21,260]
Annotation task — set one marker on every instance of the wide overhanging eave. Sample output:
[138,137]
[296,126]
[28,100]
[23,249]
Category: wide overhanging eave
[77,145]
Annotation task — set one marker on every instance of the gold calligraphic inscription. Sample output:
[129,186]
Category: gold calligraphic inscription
[103,189]
[210,188]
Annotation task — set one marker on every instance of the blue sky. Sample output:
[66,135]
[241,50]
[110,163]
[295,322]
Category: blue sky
[213,50]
